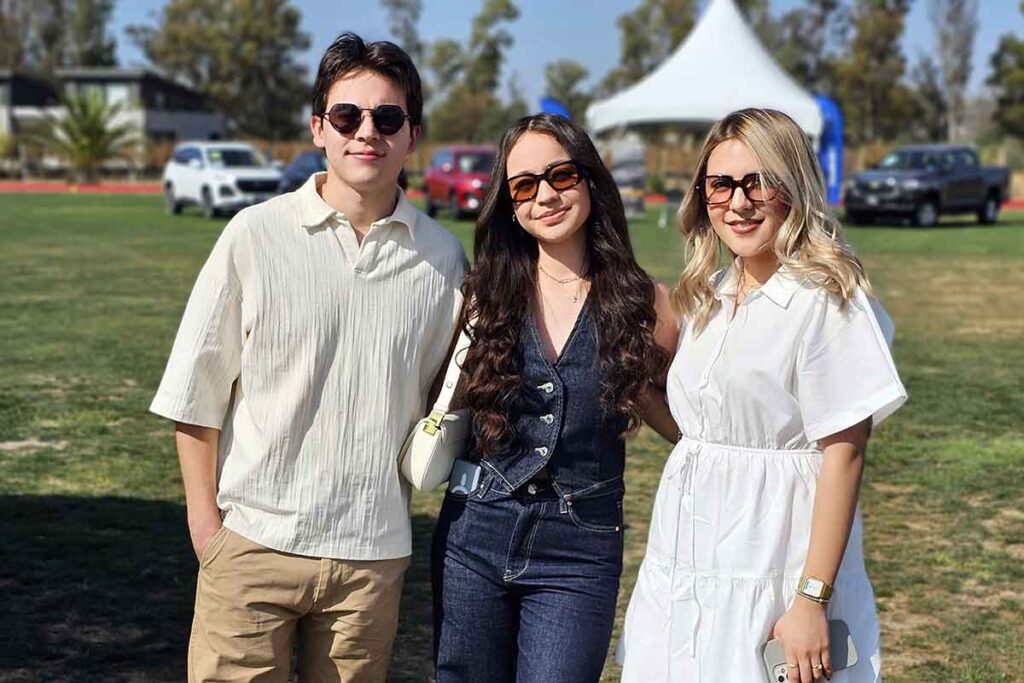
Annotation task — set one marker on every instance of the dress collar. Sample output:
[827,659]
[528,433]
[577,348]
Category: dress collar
[780,288]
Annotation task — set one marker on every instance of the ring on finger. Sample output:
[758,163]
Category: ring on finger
[817,667]
[792,666]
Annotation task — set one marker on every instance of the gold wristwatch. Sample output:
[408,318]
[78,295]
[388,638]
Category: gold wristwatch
[813,588]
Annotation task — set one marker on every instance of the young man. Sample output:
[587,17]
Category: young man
[304,357]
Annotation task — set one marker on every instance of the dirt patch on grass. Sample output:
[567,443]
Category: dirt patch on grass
[893,489]
[978,595]
[905,635]
[30,446]
[1006,533]
[967,297]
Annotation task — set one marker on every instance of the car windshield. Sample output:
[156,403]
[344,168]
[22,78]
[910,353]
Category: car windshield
[909,160]
[233,157]
[476,162]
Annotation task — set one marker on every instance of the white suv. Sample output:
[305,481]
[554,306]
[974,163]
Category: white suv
[218,176]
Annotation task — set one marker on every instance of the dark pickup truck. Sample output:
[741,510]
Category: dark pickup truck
[924,181]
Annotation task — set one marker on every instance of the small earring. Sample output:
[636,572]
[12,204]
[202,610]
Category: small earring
[515,218]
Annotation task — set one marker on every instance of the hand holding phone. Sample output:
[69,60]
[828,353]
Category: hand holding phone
[840,650]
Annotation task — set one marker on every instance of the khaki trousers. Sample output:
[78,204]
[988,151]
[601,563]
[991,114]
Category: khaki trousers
[252,602]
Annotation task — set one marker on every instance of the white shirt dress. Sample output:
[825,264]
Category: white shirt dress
[752,395]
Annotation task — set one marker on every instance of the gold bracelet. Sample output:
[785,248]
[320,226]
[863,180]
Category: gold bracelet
[805,596]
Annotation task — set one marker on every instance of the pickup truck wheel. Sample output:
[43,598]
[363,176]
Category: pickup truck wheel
[989,212]
[209,211]
[453,207]
[431,207]
[170,201]
[926,215]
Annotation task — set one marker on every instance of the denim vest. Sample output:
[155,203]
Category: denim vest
[558,419]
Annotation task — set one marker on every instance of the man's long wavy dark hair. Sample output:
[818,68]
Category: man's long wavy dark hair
[501,287]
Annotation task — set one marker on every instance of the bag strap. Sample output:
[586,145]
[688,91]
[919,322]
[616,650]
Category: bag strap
[451,381]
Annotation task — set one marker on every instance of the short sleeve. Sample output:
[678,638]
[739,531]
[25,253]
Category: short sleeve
[205,359]
[846,373]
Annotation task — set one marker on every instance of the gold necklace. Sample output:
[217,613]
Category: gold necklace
[579,278]
[559,280]
[742,281]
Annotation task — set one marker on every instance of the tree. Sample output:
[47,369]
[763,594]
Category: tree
[928,99]
[956,24]
[404,16]
[1007,80]
[87,134]
[807,37]
[48,34]
[767,28]
[487,43]
[242,54]
[13,47]
[648,35]
[88,43]
[472,109]
[869,79]
[564,79]
[445,62]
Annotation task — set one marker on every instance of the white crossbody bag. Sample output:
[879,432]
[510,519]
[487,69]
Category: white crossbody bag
[437,440]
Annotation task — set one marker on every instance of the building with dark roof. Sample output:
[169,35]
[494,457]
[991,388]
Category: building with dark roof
[165,111]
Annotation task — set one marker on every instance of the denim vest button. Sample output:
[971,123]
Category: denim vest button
[558,419]
[531,489]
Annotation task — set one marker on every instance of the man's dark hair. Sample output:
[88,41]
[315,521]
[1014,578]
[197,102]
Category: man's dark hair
[349,54]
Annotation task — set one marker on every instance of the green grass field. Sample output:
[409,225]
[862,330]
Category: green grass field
[96,571]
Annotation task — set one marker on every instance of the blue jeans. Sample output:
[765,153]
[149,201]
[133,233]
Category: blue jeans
[525,584]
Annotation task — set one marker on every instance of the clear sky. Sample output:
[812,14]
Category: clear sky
[547,30]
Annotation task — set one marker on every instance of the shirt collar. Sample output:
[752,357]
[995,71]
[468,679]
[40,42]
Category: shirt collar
[780,288]
[314,210]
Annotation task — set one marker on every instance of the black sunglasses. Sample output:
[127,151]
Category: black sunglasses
[560,175]
[346,118]
[719,189]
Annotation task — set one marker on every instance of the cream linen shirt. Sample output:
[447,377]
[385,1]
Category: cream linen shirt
[314,355]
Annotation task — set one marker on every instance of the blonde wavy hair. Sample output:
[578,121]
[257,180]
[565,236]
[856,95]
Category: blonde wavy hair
[809,242]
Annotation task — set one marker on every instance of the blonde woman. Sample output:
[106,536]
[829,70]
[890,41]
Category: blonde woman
[782,369]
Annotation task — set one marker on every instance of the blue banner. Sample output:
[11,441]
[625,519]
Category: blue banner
[549,105]
[830,148]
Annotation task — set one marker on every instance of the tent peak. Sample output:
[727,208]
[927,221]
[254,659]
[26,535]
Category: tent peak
[720,66]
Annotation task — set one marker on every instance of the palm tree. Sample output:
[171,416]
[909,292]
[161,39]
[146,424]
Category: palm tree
[86,134]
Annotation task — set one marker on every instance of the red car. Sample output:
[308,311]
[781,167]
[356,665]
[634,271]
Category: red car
[457,179]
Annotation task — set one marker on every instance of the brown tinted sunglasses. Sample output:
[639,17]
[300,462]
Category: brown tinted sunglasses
[561,176]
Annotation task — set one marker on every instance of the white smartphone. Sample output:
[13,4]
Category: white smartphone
[840,650]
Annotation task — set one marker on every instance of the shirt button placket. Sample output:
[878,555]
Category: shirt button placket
[705,379]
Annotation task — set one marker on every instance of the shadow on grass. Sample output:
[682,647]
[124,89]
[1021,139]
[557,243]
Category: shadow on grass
[102,589]
[907,223]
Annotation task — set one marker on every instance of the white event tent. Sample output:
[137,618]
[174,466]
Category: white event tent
[719,68]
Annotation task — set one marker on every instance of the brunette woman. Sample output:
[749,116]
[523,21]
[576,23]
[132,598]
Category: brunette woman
[566,333]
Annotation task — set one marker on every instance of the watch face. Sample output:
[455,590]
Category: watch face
[814,586]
